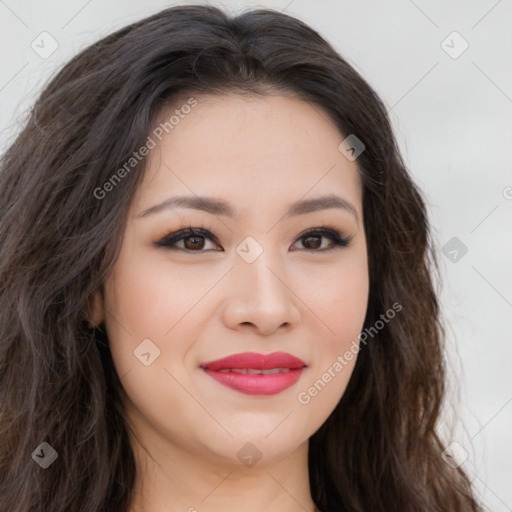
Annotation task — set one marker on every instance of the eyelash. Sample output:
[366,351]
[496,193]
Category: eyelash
[338,240]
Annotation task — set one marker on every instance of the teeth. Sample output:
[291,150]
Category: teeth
[248,371]
[252,371]
[272,371]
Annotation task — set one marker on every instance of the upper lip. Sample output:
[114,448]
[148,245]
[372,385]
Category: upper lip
[248,360]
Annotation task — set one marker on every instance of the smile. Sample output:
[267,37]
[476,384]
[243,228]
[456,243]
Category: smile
[256,374]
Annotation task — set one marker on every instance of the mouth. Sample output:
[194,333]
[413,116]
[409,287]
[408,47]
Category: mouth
[255,371]
[256,374]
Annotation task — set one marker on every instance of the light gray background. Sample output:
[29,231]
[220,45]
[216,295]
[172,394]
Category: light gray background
[453,119]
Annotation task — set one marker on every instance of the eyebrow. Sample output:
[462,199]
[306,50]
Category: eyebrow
[220,207]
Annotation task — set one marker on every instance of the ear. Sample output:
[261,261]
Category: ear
[97,308]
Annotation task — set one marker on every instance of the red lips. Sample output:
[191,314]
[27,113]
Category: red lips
[256,361]
[244,372]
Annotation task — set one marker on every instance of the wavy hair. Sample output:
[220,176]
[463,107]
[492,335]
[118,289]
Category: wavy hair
[378,450]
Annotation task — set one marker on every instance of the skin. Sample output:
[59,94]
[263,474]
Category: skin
[260,154]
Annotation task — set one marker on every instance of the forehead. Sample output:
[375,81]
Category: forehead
[264,150]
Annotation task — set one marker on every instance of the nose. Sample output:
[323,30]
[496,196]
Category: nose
[260,297]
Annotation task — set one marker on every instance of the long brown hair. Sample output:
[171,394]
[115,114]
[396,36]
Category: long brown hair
[378,450]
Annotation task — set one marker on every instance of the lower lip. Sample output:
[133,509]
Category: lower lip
[257,384]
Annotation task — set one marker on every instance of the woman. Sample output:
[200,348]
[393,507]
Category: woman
[296,363]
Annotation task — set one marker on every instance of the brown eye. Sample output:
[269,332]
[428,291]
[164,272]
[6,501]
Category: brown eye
[194,240]
[312,240]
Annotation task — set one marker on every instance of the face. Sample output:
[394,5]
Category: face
[267,269]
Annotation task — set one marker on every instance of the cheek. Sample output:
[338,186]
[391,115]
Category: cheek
[338,297]
[343,318]
[348,304]
[143,302]
[339,300]
[149,298]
